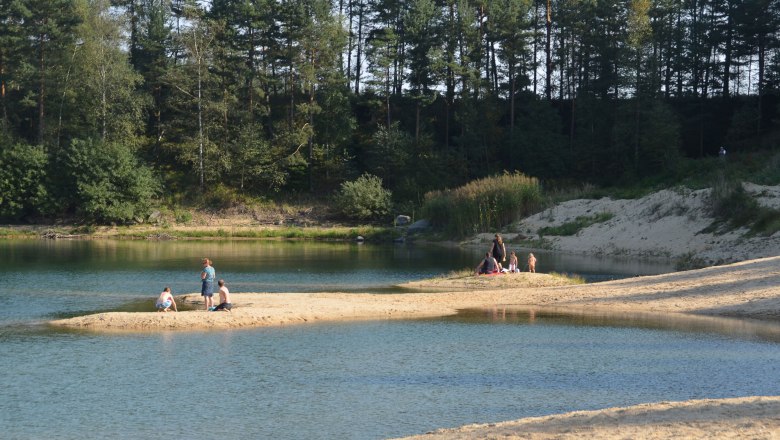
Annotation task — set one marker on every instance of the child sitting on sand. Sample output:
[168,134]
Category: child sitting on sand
[513,262]
[165,300]
[224,297]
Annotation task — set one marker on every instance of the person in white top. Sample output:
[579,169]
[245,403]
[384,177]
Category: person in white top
[513,262]
[224,297]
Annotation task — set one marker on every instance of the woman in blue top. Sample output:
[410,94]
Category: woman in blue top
[207,289]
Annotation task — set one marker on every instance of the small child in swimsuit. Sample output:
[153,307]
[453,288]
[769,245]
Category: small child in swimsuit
[513,262]
[165,300]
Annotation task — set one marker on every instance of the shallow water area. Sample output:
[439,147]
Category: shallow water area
[359,380]
[370,380]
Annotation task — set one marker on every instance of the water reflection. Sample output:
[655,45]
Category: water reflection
[730,327]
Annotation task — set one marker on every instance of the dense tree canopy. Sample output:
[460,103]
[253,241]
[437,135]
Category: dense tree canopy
[279,96]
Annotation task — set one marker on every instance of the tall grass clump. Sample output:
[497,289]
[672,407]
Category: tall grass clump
[483,205]
[733,208]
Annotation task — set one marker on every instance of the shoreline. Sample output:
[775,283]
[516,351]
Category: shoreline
[740,290]
[755,417]
[747,289]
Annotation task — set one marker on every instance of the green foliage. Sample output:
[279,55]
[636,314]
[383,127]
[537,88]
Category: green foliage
[541,150]
[105,182]
[731,204]
[272,98]
[22,181]
[364,198]
[183,216]
[744,128]
[16,232]
[733,208]
[483,205]
[370,233]
[646,135]
[108,104]
[220,197]
[391,151]
[579,223]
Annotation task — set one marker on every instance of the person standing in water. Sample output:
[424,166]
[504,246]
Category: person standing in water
[207,276]
[531,263]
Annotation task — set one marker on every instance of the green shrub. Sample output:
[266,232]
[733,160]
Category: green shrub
[731,204]
[733,207]
[183,216]
[22,181]
[105,182]
[579,223]
[364,198]
[483,205]
[221,197]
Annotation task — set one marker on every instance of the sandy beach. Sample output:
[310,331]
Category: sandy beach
[670,225]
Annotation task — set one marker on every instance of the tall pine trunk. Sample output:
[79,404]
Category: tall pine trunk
[548,53]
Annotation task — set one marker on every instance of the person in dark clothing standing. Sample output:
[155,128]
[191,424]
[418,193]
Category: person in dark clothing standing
[498,250]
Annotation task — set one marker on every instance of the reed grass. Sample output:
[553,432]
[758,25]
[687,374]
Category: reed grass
[483,205]
[571,278]
[13,232]
[733,208]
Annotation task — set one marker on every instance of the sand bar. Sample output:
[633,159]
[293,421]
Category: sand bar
[749,289]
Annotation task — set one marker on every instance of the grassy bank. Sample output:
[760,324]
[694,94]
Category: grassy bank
[334,233]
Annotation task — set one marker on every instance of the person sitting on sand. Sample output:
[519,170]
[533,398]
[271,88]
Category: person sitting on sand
[513,262]
[531,263]
[165,300]
[488,265]
[224,297]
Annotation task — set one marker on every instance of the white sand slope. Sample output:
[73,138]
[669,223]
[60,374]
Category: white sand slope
[667,223]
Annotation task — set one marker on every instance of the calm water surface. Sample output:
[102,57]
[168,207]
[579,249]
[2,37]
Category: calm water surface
[64,277]
[336,381]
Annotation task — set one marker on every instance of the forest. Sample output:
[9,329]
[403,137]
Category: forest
[110,107]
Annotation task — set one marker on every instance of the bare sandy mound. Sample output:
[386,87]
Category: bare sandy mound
[746,289]
[739,418]
[469,281]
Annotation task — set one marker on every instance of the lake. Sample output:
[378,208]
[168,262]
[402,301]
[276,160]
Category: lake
[366,380]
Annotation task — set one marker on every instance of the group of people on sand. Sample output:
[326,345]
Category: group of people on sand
[491,264]
[207,276]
